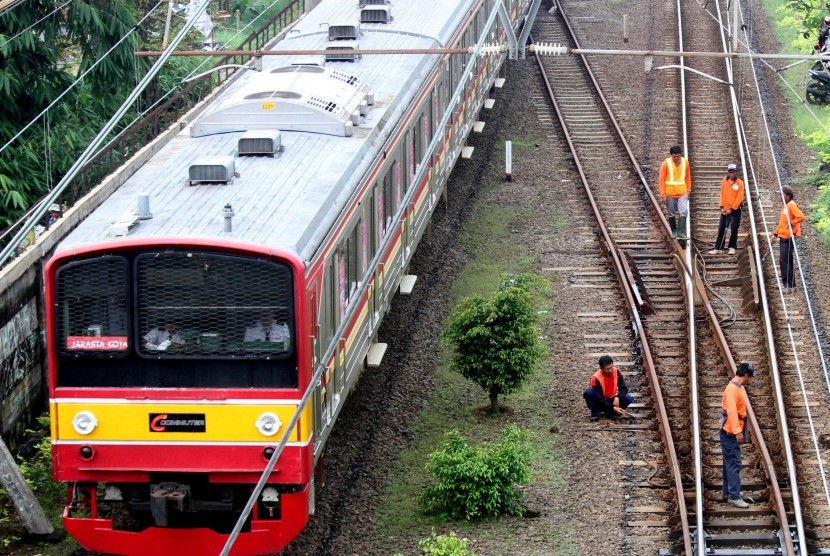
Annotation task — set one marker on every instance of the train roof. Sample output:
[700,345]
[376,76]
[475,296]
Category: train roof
[291,200]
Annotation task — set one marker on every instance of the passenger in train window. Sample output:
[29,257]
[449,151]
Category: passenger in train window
[164,337]
[676,186]
[733,433]
[268,329]
[731,199]
[607,394]
[791,216]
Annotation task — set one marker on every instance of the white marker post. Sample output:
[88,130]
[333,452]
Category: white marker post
[508,161]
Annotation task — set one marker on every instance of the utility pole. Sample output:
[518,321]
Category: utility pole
[167,24]
[27,506]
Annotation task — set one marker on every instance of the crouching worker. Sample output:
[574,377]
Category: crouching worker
[608,394]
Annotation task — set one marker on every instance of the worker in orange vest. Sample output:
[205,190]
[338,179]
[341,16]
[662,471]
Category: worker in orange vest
[733,433]
[731,199]
[675,186]
[791,218]
[607,394]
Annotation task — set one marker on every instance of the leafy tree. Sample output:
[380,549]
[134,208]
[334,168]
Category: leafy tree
[495,339]
[41,53]
[474,483]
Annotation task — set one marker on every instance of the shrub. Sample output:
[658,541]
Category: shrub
[474,483]
[445,545]
[496,339]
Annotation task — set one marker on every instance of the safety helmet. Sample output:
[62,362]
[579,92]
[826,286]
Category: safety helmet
[827,20]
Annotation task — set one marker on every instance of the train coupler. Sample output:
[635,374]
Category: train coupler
[167,496]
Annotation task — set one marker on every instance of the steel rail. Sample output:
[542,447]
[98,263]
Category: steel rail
[686,255]
[772,356]
[648,360]
[699,288]
[726,353]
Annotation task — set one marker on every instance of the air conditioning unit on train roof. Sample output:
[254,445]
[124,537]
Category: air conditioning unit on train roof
[376,14]
[344,31]
[211,169]
[265,142]
[364,3]
[339,51]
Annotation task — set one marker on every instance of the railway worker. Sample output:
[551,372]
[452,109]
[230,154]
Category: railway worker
[267,329]
[675,186]
[791,218]
[163,337]
[607,394]
[733,433]
[731,199]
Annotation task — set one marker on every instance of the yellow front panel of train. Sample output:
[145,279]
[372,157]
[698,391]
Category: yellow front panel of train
[161,422]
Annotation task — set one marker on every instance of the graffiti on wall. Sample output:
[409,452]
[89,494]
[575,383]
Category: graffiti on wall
[21,347]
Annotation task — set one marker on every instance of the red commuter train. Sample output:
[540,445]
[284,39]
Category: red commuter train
[187,314]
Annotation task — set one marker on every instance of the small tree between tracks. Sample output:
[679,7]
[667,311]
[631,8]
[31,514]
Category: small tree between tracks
[474,483]
[495,339]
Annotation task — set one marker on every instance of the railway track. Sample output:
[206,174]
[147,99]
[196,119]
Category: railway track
[650,266]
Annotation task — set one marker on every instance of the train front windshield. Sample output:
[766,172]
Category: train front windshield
[175,319]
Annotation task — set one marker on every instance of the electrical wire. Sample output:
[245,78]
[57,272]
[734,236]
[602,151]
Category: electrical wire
[777,274]
[50,14]
[80,78]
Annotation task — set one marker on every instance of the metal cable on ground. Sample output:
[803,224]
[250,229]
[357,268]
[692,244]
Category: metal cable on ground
[783,301]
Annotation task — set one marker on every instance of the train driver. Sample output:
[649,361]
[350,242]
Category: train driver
[163,337]
[268,329]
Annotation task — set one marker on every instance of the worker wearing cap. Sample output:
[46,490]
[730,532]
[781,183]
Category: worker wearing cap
[733,433]
[731,199]
[791,218]
[54,214]
[607,394]
[675,186]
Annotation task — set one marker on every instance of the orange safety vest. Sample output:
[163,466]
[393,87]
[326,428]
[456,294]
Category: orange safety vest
[676,178]
[790,212]
[608,383]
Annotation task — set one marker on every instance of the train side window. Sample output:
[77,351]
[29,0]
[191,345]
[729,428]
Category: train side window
[342,287]
[380,213]
[426,134]
[331,316]
[397,174]
[364,243]
[352,264]
[436,108]
[390,201]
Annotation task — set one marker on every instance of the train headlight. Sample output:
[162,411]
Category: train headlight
[268,424]
[84,422]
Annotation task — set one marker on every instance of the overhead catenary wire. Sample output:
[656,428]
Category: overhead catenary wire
[158,101]
[47,16]
[78,80]
[90,150]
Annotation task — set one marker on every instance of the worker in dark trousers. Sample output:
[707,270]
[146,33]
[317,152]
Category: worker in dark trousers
[607,394]
[676,186]
[733,433]
[791,218]
[731,199]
